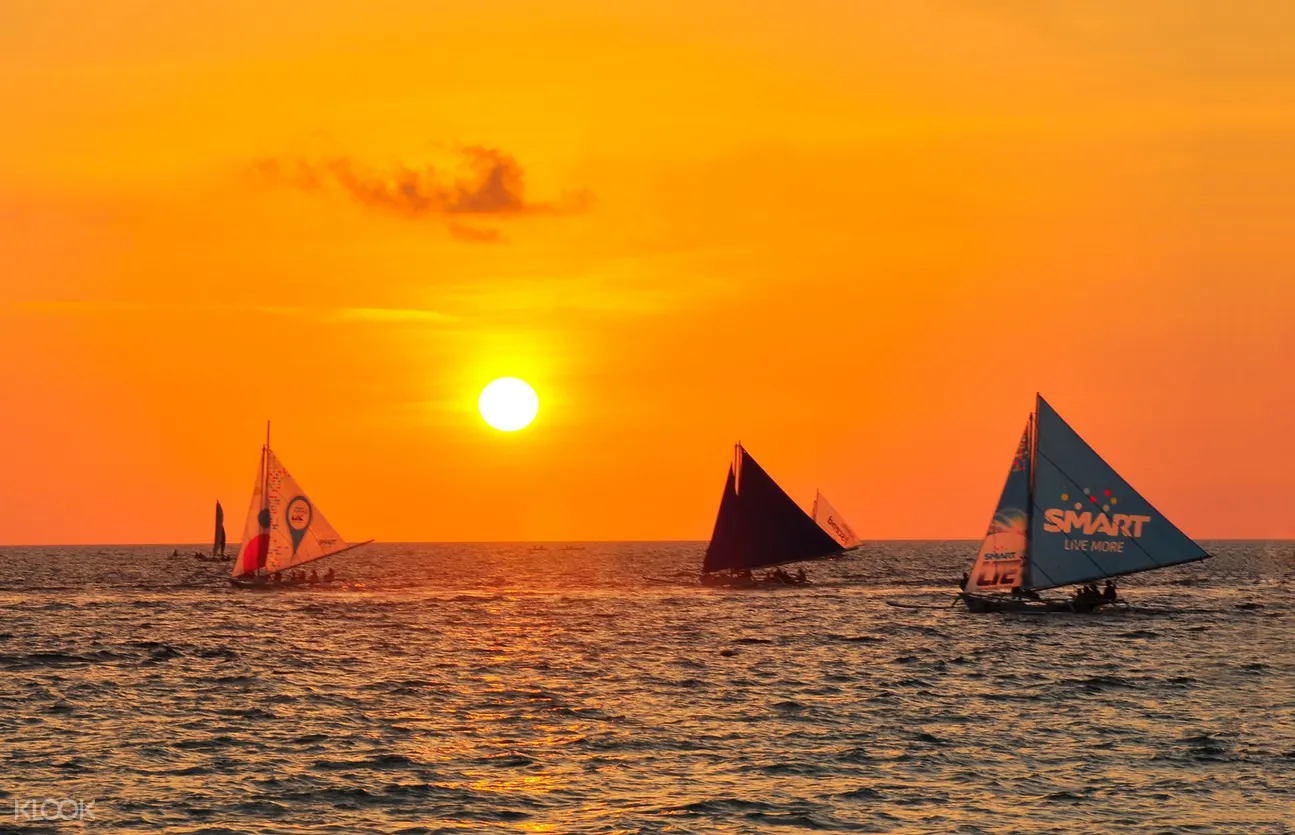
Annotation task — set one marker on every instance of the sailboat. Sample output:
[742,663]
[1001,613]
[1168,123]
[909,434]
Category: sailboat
[1066,517]
[218,544]
[284,528]
[831,520]
[759,526]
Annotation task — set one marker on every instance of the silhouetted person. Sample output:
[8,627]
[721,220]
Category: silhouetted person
[1109,593]
[962,584]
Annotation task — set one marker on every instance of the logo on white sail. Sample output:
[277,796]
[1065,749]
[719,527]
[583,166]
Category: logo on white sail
[298,516]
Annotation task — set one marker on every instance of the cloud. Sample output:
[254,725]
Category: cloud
[479,183]
[390,314]
[381,315]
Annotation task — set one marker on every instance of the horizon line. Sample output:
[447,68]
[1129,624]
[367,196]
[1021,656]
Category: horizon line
[174,545]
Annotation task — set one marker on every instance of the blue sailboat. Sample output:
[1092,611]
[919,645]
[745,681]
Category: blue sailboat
[1066,517]
[760,526]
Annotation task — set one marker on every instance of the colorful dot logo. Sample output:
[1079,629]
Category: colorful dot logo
[1107,499]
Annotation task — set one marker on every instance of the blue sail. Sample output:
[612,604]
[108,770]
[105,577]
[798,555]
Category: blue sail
[1088,523]
[1002,558]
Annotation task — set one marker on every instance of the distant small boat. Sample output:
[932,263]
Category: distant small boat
[831,520]
[760,526]
[284,529]
[1066,517]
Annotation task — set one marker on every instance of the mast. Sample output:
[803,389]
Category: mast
[265,486]
[1031,430]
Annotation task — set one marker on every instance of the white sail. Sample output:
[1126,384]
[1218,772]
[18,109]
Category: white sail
[1000,564]
[251,547]
[299,533]
[833,522]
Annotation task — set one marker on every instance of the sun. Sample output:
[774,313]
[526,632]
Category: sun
[508,404]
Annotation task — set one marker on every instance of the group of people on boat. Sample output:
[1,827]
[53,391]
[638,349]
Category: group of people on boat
[297,578]
[744,578]
[780,576]
[1090,595]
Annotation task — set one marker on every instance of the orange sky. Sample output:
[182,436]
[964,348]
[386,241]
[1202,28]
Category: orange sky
[857,235]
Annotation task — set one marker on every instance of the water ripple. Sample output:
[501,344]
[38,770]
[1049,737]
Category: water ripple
[504,688]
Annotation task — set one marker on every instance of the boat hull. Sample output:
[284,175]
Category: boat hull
[1004,603]
[262,585]
[717,581]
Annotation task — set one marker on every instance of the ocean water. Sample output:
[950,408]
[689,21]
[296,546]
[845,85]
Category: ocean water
[551,688]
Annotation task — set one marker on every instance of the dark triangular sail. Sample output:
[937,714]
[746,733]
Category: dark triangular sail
[1087,523]
[218,543]
[725,539]
[759,525]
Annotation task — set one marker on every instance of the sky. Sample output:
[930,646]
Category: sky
[856,235]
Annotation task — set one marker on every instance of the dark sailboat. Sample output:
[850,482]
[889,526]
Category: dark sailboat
[1066,517]
[218,543]
[759,526]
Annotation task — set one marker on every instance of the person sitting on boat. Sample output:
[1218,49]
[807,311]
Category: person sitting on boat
[328,576]
[314,576]
[801,577]
[962,584]
[1109,592]
[277,577]
[1027,594]
[781,576]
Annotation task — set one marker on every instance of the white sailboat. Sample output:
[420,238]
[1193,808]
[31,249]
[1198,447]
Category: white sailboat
[284,529]
[831,520]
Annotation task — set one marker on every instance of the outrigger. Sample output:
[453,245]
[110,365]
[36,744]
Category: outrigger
[760,527]
[1066,517]
[284,530]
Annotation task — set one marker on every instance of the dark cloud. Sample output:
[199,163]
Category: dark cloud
[485,183]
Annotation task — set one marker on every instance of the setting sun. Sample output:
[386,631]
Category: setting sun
[508,404]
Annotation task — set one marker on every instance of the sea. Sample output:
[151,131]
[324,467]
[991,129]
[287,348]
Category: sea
[597,687]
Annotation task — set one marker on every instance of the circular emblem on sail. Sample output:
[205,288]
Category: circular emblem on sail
[1009,520]
[1005,539]
[298,516]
